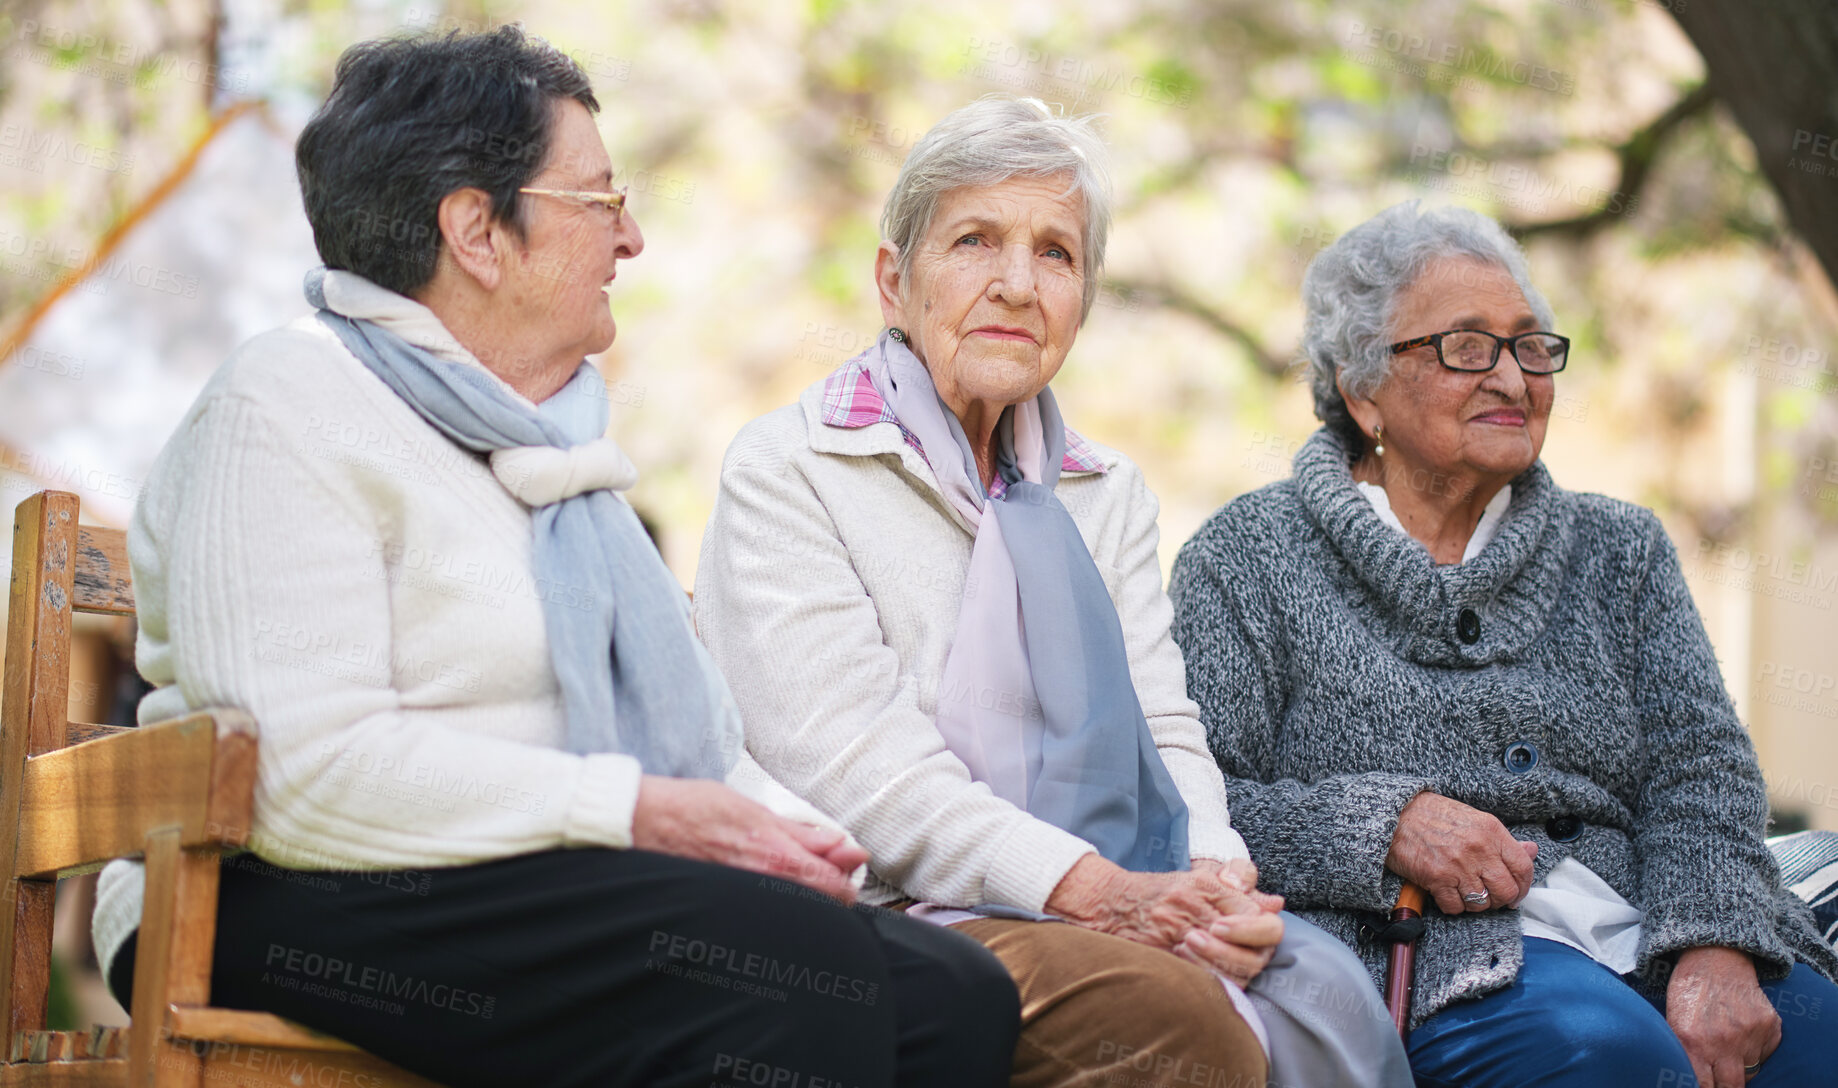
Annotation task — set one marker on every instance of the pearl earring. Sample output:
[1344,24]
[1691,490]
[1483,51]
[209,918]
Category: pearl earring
[899,335]
[1378,436]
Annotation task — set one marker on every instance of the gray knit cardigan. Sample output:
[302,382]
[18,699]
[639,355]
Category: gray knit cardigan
[1561,680]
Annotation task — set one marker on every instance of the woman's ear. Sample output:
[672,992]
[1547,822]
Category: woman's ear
[471,239]
[887,281]
[1364,412]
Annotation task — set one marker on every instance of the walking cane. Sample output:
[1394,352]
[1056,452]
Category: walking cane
[1406,925]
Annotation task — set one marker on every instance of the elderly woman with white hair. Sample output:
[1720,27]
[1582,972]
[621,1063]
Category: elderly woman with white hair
[943,617]
[1421,659]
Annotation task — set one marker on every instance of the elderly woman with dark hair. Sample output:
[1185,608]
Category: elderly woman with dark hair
[492,839]
[944,617]
[1421,659]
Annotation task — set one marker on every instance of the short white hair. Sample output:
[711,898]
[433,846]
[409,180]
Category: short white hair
[991,140]
[1351,291]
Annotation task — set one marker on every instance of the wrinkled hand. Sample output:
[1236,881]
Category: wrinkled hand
[1239,945]
[1716,1008]
[1204,915]
[707,821]
[1240,873]
[1451,850]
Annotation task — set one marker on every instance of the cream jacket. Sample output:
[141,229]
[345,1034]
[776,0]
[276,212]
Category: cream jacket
[828,590]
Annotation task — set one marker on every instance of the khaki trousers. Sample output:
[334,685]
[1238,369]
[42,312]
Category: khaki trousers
[1102,1012]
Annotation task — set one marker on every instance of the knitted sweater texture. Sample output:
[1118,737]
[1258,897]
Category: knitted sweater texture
[1328,657]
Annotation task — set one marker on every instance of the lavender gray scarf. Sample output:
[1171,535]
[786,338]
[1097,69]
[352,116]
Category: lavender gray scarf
[1036,697]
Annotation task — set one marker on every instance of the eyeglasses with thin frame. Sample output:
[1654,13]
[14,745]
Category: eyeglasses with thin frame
[1474,351]
[613,201]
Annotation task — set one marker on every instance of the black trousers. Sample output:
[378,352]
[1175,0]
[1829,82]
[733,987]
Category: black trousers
[610,967]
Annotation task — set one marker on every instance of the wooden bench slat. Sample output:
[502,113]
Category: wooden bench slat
[78,732]
[108,1041]
[244,1049]
[262,1050]
[102,581]
[262,1067]
[262,1029]
[34,709]
[98,800]
[85,1074]
[40,1047]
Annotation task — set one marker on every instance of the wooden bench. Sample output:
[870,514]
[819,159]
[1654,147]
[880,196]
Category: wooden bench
[74,797]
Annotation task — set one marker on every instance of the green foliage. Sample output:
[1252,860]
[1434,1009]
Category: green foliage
[62,1013]
[1246,136]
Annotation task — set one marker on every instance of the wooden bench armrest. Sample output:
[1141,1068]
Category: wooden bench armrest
[90,803]
[263,1029]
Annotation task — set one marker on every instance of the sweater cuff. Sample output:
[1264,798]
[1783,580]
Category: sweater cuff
[1030,863]
[1217,844]
[1209,823]
[1729,921]
[120,893]
[1360,826]
[604,797]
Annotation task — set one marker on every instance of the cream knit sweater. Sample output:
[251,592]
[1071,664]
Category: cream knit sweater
[831,575]
[310,550]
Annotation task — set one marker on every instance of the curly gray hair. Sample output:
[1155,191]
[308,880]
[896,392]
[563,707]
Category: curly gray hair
[991,140]
[1351,290]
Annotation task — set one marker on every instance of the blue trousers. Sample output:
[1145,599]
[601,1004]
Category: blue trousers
[1569,1022]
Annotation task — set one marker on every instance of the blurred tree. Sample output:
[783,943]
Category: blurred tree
[1773,61]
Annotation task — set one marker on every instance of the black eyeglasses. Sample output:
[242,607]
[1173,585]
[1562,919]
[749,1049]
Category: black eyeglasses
[1472,350]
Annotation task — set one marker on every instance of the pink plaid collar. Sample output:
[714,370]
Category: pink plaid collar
[850,400]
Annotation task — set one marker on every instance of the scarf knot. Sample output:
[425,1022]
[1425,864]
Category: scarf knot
[540,475]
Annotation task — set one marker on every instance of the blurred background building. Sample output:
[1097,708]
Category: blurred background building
[150,221]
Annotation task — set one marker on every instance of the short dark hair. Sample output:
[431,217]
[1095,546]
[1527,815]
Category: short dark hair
[412,119]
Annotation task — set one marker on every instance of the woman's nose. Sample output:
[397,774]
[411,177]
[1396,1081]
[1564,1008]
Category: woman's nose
[629,240]
[1506,377]
[1014,282]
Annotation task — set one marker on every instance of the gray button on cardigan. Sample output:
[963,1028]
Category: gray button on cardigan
[1561,674]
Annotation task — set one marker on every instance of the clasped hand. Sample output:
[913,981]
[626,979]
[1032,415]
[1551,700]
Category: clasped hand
[1212,915]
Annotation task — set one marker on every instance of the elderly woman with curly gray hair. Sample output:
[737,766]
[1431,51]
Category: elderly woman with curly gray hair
[1420,659]
[944,620]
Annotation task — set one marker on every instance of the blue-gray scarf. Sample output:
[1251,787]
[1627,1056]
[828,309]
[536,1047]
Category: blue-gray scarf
[634,678]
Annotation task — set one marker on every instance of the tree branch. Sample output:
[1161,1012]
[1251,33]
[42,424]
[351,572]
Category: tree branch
[1171,297]
[1637,155]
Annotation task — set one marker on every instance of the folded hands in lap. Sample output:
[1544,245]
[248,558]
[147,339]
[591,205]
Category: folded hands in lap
[1212,914]
[707,821]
